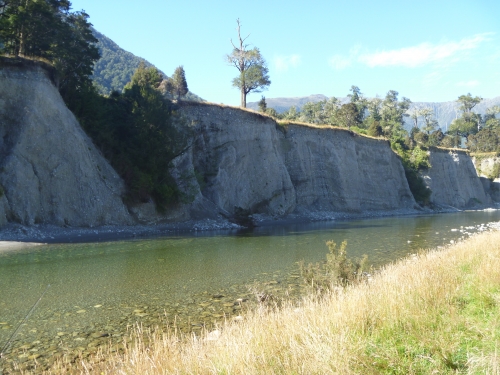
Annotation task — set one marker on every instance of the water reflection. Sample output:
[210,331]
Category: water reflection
[180,270]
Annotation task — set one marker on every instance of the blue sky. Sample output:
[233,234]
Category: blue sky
[426,50]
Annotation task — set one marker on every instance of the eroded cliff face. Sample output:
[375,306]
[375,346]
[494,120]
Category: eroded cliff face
[454,181]
[50,171]
[238,163]
[337,170]
[244,162]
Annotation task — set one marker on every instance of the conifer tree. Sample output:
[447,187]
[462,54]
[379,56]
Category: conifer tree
[179,83]
[262,104]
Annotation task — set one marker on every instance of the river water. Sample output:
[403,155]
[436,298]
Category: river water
[98,291]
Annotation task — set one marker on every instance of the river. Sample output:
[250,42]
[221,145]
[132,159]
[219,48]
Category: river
[99,290]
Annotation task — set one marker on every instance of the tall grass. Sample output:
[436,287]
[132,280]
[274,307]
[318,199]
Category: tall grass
[433,313]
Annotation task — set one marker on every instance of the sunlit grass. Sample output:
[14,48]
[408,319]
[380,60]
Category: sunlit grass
[433,313]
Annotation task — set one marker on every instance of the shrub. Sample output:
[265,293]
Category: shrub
[336,271]
[414,161]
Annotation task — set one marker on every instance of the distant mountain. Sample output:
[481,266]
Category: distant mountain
[445,112]
[116,66]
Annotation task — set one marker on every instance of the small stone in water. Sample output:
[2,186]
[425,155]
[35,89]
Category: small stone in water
[97,306]
[81,311]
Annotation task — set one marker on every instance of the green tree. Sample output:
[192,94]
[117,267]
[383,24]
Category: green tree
[348,115]
[330,110]
[47,29]
[451,141]
[462,127]
[29,28]
[252,67]
[292,114]
[312,112]
[179,83]
[74,56]
[435,138]
[262,104]
[414,115]
[467,102]
[375,130]
[360,102]
[430,123]
[392,115]
[469,122]
[272,112]
[490,119]
[374,108]
[486,140]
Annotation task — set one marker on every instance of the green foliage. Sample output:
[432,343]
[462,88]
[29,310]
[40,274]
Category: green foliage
[392,114]
[116,66]
[272,112]
[374,129]
[136,132]
[451,141]
[46,29]
[262,104]
[486,140]
[463,127]
[414,160]
[336,271]
[495,172]
[30,28]
[179,83]
[348,115]
[359,130]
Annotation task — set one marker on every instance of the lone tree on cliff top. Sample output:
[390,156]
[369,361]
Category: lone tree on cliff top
[252,67]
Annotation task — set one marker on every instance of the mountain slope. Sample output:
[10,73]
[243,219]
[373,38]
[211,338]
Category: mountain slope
[116,66]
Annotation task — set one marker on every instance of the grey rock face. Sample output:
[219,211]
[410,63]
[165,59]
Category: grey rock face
[50,171]
[245,162]
[237,161]
[337,170]
[454,181]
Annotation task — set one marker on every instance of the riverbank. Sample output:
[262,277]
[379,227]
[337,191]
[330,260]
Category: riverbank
[433,312]
[12,233]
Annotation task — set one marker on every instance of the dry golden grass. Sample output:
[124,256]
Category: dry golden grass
[433,313]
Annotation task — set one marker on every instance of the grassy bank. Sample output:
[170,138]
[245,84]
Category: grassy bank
[434,313]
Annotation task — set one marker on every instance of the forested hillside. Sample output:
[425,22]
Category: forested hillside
[116,67]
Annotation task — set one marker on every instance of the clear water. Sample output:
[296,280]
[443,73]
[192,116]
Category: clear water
[109,286]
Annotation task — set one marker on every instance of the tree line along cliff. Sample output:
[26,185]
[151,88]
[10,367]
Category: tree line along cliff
[230,162]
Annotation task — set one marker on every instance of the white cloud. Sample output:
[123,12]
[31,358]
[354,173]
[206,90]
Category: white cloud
[423,54]
[283,63]
[339,62]
[472,83]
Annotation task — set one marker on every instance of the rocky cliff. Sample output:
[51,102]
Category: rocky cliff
[244,162]
[454,181]
[238,163]
[50,171]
